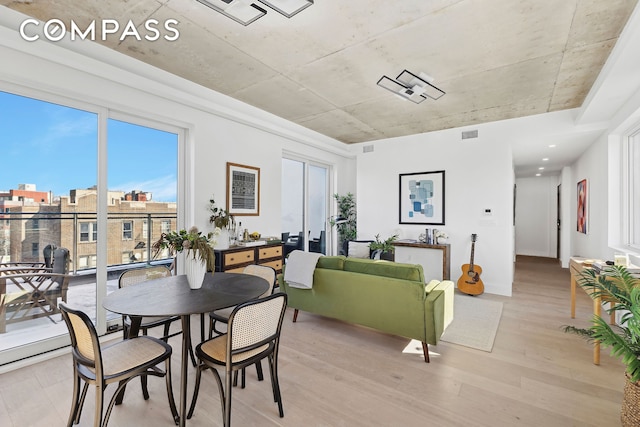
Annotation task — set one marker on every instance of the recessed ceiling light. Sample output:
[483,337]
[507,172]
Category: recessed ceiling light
[552,146]
[538,174]
[541,168]
[546,159]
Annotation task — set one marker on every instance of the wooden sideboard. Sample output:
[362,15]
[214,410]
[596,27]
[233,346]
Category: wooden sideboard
[236,258]
[434,259]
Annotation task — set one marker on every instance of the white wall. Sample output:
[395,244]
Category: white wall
[592,166]
[478,175]
[536,215]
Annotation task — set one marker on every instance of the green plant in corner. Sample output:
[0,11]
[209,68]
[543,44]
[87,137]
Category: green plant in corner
[615,284]
[386,246]
[347,230]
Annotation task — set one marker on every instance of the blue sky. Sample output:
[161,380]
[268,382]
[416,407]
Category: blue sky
[55,147]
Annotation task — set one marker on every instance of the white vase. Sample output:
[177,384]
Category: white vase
[195,269]
[222,239]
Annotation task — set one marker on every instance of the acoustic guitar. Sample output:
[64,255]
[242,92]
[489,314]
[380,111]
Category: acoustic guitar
[470,282]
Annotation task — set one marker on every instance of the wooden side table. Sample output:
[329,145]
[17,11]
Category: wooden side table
[576,266]
[236,258]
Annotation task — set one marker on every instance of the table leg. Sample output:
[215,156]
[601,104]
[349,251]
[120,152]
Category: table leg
[597,310]
[573,296]
[186,344]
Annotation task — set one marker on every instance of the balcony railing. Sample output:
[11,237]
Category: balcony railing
[130,236]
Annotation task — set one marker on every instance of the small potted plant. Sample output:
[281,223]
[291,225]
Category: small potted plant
[197,247]
[385,247]
[223,221]
[615,284]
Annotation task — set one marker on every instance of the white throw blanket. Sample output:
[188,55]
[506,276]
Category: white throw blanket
[300,267]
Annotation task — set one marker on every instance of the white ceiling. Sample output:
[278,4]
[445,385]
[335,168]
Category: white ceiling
[495,59]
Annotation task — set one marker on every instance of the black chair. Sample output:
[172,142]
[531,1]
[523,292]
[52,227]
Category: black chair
[116,363]
[253,334]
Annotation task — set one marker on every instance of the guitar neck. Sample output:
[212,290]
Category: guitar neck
[473,248]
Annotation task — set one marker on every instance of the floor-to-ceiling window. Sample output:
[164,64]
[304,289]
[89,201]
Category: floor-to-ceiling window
[305,205]
[57,191]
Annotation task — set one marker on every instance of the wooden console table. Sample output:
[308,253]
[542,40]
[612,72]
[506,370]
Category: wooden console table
[434,259]
[576,266]
[236,258]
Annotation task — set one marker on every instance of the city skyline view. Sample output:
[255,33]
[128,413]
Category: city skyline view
[55,148]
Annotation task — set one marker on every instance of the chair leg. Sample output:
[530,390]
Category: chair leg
[259,370]
[97,419]
[81,404]
[273,367]
[145,389]
[227,400]
[75,400]
[295,315]
[195,391]
[165,331]
[172,401]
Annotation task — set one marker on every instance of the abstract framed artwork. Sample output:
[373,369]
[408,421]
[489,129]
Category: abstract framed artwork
[243,189]
[582,207]
[422,198]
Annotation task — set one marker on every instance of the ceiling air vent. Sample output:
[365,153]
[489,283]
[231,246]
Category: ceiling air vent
[469,134]
[367,149]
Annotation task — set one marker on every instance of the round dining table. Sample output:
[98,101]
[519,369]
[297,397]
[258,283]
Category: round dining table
[172,296]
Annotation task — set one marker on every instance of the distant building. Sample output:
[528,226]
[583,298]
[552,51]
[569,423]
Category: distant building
[134,222]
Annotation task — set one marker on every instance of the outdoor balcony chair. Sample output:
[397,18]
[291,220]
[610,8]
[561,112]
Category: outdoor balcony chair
[116,363]
[32,292]
[253,334]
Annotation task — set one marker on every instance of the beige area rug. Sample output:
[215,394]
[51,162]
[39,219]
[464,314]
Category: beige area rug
[475,322]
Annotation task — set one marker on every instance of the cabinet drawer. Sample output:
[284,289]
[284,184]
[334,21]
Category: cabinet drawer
[235,270]
[239,257]
[265,253]
[276,265]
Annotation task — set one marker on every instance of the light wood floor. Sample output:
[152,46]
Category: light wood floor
[335,374]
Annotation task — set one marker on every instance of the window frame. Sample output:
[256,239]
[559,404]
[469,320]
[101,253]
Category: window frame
[125,231]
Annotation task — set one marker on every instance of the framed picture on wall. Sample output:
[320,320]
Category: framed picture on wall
[582,207]
[422,198]
[243,189]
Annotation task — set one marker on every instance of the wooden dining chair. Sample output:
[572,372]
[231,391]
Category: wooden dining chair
[253,334]
[116,363]
[222,316]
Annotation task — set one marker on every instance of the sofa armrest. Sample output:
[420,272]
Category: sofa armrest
[448,287]
[438,308]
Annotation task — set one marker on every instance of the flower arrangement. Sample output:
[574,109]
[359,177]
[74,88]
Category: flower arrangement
[440,235]
[193,241]
[221,218]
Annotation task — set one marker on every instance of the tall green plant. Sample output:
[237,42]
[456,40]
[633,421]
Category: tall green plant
[615,284]
[346,209]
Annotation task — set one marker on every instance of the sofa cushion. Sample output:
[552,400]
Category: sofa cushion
[394,270]
[331,262]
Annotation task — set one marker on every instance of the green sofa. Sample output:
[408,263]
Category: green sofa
[388,296]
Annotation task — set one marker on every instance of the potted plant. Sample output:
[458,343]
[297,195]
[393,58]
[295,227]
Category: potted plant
[385,247]
[347,227]
[220,218]
[615,284]
[223,221]
[199,255]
